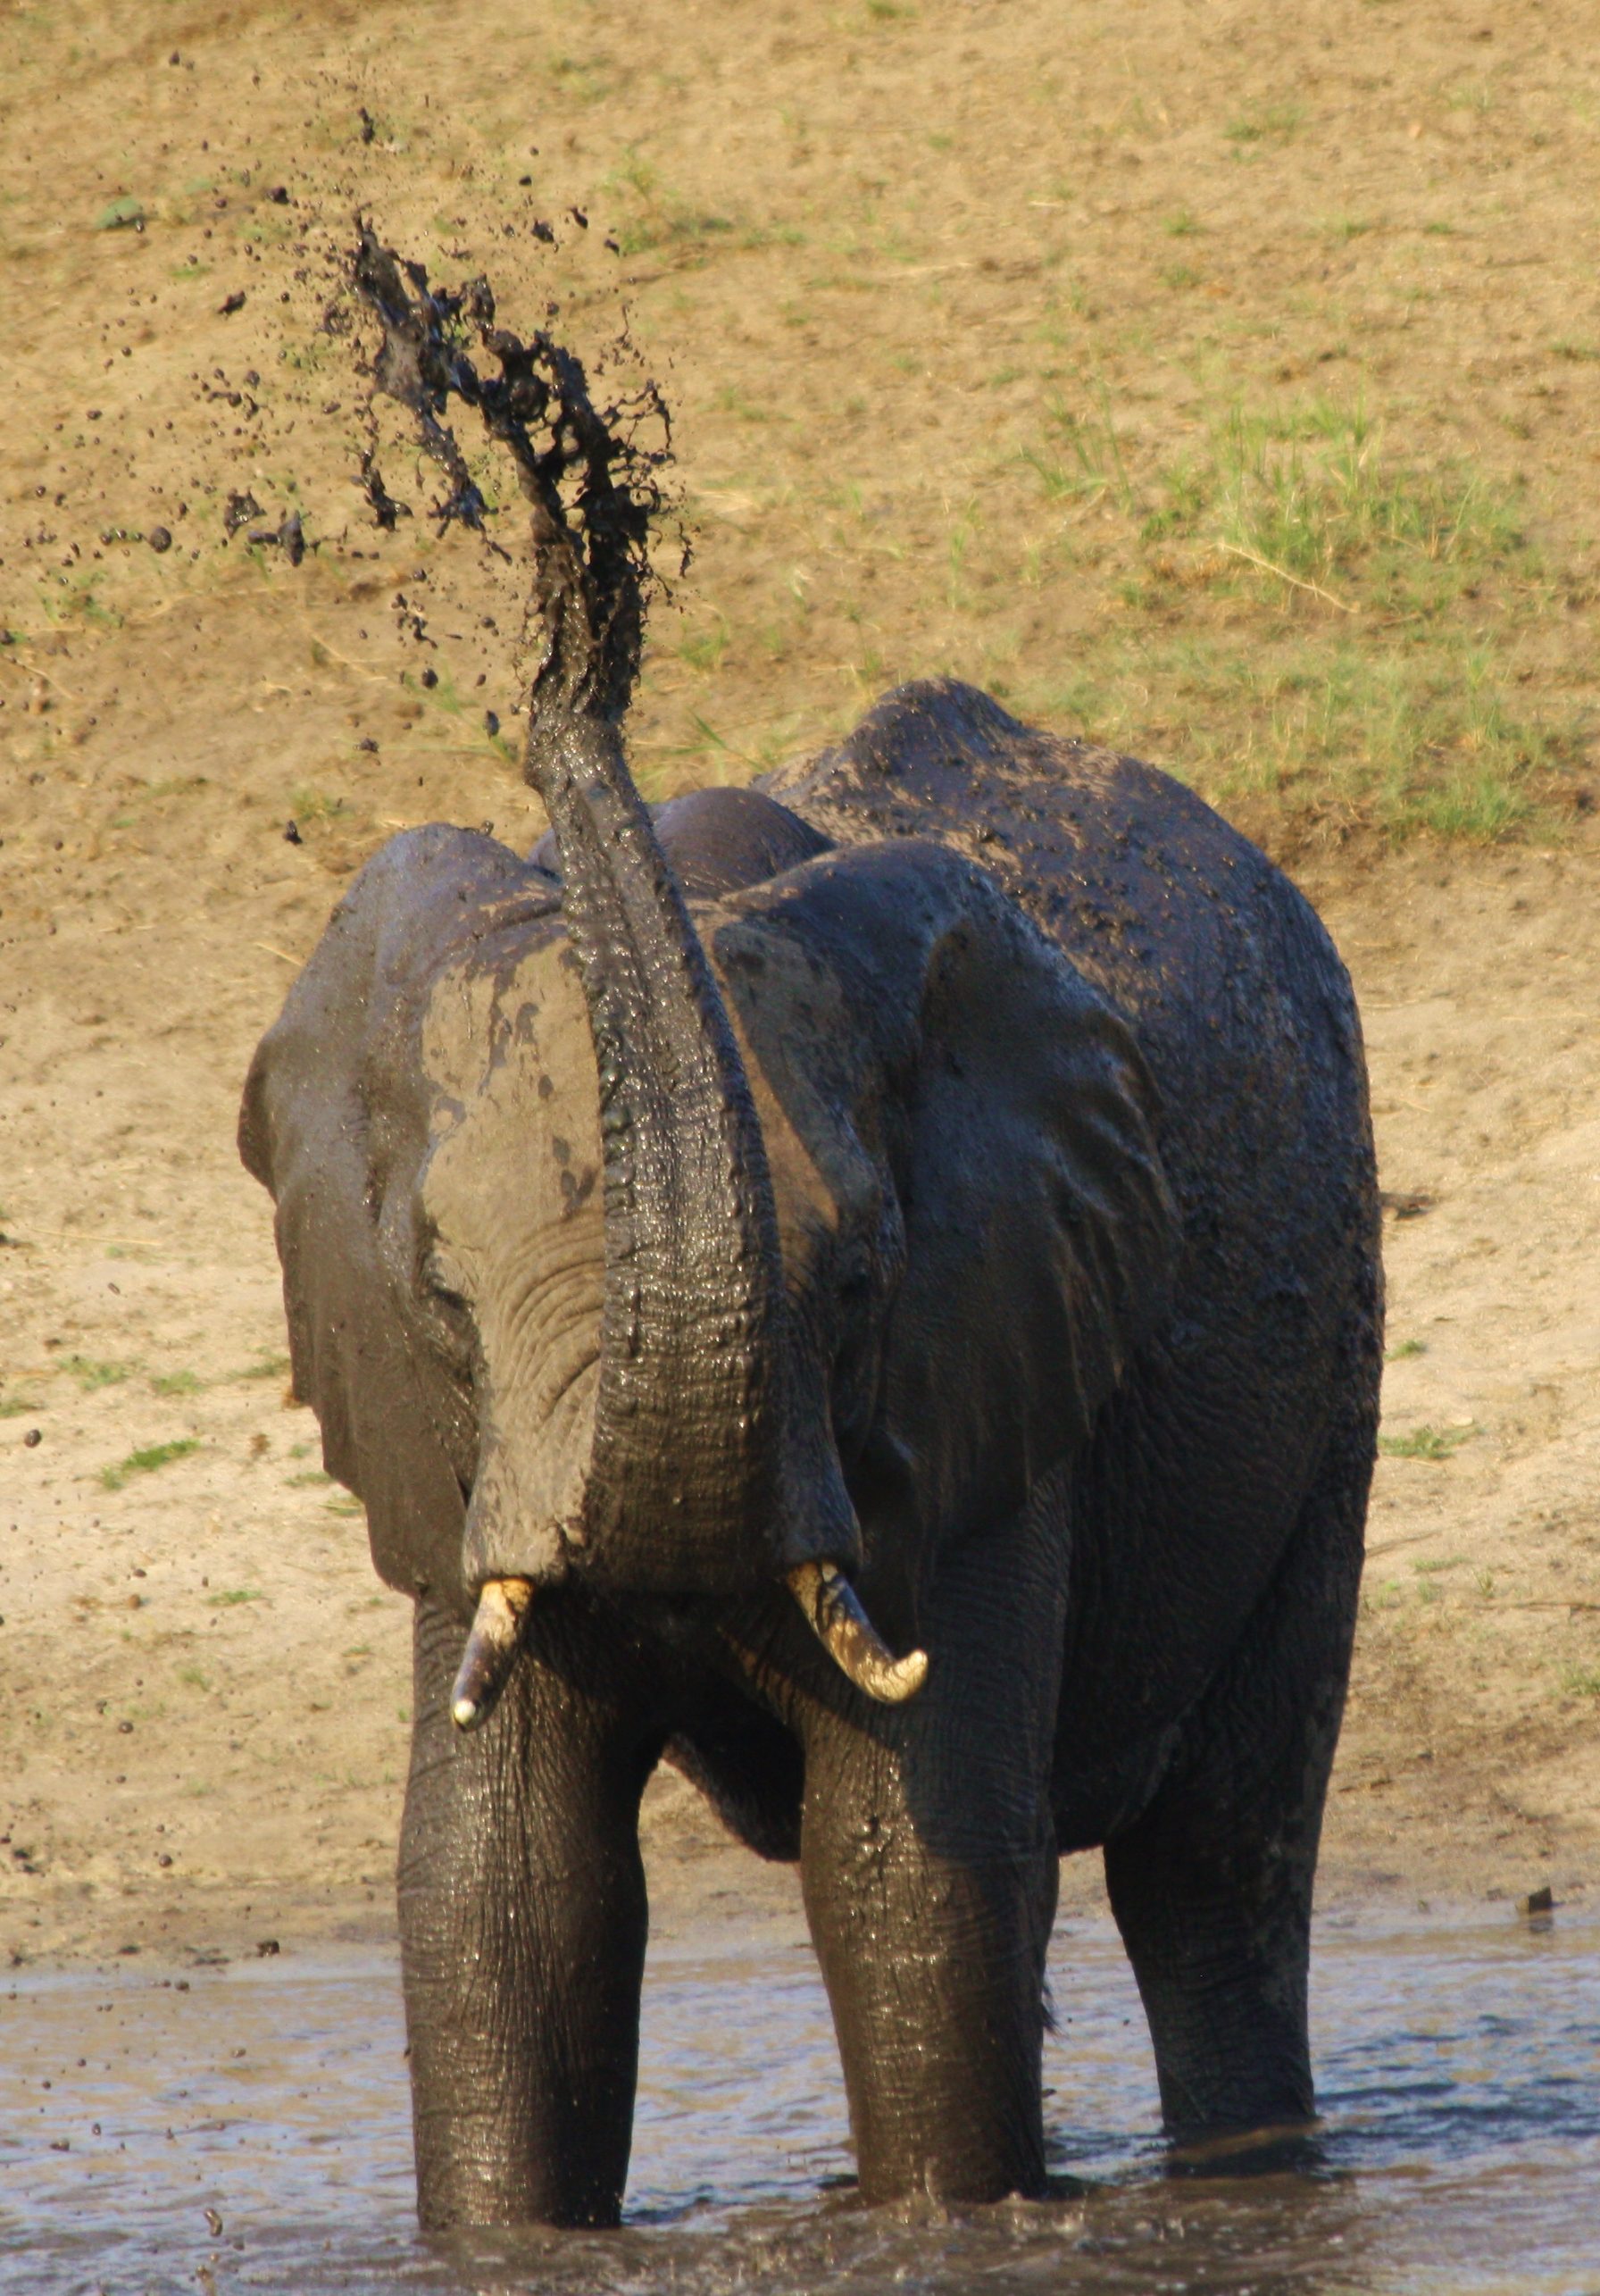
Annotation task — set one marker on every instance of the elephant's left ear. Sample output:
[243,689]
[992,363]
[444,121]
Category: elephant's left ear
[1040,1231]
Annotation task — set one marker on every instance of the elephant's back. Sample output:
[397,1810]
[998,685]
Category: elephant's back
[1149,891]
[1238,1000]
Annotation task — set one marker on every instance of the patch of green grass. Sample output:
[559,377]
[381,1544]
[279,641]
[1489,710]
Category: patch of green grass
[306,1478]
[659,230]
[1352,670]
[70,597]
[1433,1443]
[270,1366]
[347,1506]
[1406,1348]
[1580,1682]
[1182,223]
[1275,123]
[14,1406]
[231,1596]
[731,400]
[580,76]
[90,1374]
[1179,276]
[662,222]
[1342,229]
[176,1382]
[1325,729]
[192,1679]
[704,649]
[123,214]
[146,1462]
[1083,461]
[309,804]
[1311,499]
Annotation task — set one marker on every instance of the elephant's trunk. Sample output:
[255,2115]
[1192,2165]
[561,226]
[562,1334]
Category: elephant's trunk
[684,1479]
[713,1461]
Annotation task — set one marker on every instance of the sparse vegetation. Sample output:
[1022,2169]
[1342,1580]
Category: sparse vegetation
[1425,1442]
[147,1461]
[1275,123]
[90,1374]
[270,1366]
[1339,674]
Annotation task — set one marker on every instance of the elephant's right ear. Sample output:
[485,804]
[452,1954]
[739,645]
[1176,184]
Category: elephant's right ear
[334,1123]
[1040,1232]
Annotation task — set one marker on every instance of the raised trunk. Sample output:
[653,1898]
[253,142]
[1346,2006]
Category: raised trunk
[684,1480]
[712,1462]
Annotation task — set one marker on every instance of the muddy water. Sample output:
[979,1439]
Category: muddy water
[1459,2069]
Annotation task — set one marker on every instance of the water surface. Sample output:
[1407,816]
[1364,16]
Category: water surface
[1458,2069]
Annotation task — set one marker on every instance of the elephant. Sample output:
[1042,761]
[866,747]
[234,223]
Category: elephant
[865,1287]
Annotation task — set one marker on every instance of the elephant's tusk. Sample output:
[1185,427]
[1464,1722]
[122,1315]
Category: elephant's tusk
[834,1613]
[491,1650]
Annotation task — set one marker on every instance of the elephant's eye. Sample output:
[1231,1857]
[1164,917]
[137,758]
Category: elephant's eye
[443,1287]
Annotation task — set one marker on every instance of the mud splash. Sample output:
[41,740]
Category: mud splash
[246,2128]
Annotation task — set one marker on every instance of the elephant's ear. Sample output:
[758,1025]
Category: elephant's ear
[334,1123]
[1041,1232]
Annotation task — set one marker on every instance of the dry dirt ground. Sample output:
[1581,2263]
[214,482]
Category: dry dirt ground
[863,247]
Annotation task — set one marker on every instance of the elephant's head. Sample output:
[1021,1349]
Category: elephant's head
[531,1255]
[662,1247]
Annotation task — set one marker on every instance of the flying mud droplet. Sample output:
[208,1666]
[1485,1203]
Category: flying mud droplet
[289,536]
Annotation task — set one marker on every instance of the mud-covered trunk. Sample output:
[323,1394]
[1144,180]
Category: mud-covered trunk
[683,1482]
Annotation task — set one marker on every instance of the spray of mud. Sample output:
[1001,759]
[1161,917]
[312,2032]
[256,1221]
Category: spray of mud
[593,472]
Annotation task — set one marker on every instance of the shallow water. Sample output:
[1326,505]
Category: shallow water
[1458,2069]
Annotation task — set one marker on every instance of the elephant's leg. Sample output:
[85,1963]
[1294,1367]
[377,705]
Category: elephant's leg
[930,1869]
[1212,1888]
[522,1921]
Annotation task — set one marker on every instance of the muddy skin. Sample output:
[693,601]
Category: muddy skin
[948,1162]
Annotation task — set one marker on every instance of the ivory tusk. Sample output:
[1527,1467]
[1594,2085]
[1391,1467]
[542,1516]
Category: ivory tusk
[833,1611]
[491,1650]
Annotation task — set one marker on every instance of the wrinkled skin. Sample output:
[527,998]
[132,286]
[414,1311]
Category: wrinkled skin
[1062,1101]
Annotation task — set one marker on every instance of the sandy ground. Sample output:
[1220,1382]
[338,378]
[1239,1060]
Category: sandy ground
[204,1692]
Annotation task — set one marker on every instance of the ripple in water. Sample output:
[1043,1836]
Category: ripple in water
[1458,2068]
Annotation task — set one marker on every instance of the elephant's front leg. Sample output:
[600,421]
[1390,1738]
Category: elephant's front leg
[522,1922]
[929,1867]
